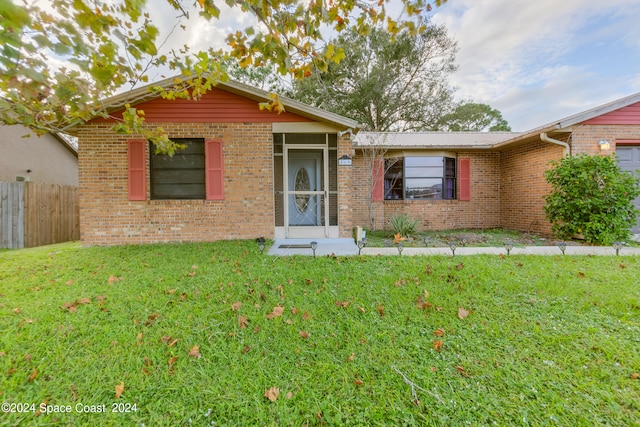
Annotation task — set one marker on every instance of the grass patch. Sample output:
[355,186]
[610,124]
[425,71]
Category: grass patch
[547,341]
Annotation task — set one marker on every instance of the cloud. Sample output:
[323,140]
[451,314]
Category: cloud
[535,60]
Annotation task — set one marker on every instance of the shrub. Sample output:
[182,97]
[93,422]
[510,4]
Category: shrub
[591,196]
[403,225]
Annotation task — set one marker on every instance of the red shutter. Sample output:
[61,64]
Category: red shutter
[214,169]
[137,169]
[464,177]
[377,178]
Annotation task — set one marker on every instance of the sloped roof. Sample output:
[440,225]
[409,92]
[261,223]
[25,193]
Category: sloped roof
[565,124]
[435,140]
[486,140]
[143,94]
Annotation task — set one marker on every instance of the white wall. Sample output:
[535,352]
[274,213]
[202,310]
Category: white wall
[46,157]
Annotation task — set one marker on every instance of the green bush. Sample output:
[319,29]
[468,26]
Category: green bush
[403,225]
[591,196]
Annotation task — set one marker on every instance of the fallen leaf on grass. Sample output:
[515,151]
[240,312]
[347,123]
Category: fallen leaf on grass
[246,349]
[242,322]
[119,390]
[151,318]
[421,303]
[462,313]
[581,275]
[358,382]
[351,357]
[460,266]
[73,306]
[437,345]
[172,360]
[439,332]
[272,393]
[236,306]
[306,316]
[277,312]
[635,375]
[69,282]
[343,304]
[113,279]
[34,374]
[304,334]
[16,310]
[194,352]
[381,310]
[289,395]
[462,371]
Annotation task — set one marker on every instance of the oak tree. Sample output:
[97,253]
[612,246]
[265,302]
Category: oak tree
[59,58]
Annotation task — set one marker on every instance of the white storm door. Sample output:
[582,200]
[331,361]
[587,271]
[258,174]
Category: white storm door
[305,195]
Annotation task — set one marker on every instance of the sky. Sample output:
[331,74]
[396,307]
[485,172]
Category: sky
[536,61]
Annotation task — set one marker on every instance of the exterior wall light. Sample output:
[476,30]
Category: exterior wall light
[604,145]
[426,241]
[400,248]
[314,246]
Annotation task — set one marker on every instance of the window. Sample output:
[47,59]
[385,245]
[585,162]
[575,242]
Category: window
[420,178]
[181,176]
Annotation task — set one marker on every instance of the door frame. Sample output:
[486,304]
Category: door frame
[306,231]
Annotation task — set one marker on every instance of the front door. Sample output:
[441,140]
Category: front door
[306,203]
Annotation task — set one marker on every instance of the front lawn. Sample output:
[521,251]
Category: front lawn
[218,334]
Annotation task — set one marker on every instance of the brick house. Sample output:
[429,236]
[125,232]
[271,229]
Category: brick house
[309,173]
[484,180]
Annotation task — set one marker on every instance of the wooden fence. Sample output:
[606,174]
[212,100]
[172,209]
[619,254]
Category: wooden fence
[36,214]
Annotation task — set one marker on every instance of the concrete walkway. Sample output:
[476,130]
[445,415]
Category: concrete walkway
[341,247]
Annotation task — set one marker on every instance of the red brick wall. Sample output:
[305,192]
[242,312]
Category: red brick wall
[107,217]
[584,139]
[482,211]
[523,186]
[347,203]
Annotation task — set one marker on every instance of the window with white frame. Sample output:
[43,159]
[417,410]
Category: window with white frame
[420,177]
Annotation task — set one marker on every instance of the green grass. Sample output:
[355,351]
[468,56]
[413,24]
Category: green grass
[548,341]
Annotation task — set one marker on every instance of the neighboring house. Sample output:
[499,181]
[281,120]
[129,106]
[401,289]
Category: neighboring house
[247,173]
[28,157]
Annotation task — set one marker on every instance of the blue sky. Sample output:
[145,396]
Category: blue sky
[536,61]
[541,60]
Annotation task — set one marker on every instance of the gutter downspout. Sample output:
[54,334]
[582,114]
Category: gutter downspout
[546,138]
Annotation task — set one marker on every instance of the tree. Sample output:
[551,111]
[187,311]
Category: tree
[593,197]
[107,45]
[386,81]
[473,117]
